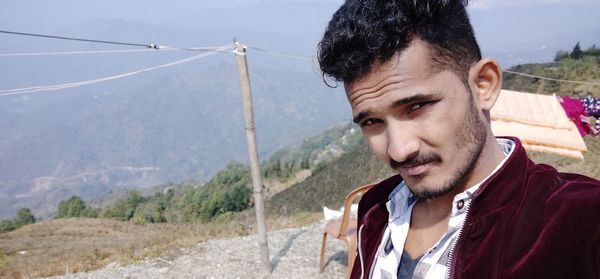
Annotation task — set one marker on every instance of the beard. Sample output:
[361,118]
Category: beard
[471,136]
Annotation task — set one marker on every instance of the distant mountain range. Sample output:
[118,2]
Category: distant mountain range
[183,123]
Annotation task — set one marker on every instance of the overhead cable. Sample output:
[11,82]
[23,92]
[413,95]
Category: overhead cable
[167,48]
[553,79]
[75,52]
[33,89]
[149,46]
[78,39]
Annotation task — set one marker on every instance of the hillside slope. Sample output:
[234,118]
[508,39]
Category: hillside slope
[329,186]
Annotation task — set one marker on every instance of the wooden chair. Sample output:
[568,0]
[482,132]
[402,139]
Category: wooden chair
[344,228]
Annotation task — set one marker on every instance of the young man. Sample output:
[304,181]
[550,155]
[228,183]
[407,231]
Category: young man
[464,203]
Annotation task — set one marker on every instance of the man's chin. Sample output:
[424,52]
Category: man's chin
[425,190]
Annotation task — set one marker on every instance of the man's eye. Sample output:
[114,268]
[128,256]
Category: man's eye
[417,106]
[369,122]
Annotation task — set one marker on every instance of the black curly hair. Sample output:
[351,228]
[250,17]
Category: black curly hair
[362,32]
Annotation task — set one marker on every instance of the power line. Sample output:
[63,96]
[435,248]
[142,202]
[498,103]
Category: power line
[78,39]
[193,48]
[76,52]
[159,47]
[553,79]
[150,46]
[33,89]
[165,48]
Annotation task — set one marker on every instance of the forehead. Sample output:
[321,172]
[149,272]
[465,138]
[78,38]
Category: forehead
[412,64]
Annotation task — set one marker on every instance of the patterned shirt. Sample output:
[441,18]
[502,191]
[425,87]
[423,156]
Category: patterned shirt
[433,263]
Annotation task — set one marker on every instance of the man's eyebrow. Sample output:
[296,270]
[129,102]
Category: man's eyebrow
[419,97]
[360,117]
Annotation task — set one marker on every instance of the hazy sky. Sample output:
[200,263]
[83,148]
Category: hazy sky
[505,26]
[496,3]
[45,15]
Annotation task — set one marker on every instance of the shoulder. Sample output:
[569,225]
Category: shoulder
[549,179]
[567,193]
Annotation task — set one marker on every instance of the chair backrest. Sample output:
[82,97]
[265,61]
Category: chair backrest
[348,204]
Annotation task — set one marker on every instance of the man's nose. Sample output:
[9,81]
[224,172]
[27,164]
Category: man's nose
[402,142]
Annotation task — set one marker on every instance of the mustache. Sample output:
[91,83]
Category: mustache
[415,160]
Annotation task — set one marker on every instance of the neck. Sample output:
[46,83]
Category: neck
[490,157]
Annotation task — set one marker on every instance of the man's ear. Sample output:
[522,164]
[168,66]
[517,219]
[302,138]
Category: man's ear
[486,76]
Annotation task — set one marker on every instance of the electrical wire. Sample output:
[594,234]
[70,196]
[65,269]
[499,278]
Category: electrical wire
[165,48]
[148,46]
[78,39]
[34,89]
[553,79]
[158,47]
[152,47]
[76,52]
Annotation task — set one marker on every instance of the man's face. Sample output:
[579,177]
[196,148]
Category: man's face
[424,123]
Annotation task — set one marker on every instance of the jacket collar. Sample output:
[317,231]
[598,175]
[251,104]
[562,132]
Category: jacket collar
[499,189]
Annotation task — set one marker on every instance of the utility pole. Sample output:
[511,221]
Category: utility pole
[240,57]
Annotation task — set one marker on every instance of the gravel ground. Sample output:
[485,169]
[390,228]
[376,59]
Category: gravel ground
[294,253]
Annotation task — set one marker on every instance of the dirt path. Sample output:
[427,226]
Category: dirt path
[294,253]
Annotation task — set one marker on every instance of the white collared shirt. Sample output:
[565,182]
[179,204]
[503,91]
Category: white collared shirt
[434,262]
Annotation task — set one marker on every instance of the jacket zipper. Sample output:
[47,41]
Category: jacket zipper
[360,255]
[455,242]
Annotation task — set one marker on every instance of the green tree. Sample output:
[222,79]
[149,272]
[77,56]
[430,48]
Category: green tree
[124,209]
[7,226]
[90,212]
[73,207]
[305,165]
[24,217]
[119,211]
[238,198]
[593,50]
[577,53]
[227,191]
[149,212]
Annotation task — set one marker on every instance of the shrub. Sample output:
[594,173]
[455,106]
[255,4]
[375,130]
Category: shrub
[24,217]
[73,207]
[7,226]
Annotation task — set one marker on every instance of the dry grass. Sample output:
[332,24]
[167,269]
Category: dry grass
[63,246]
[274,186]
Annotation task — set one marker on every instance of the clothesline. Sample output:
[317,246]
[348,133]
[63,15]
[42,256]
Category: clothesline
[553,79]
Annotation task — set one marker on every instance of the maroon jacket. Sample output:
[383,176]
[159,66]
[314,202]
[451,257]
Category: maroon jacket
[525,221]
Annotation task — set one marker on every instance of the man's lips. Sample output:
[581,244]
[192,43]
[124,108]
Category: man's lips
[416,169]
